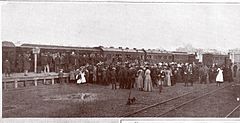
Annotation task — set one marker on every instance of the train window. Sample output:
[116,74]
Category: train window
[165,57]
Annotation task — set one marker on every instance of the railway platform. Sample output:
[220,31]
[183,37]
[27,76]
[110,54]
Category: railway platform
[32,78]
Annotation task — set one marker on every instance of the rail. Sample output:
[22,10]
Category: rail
[229,114]
[172,99]
[34,78]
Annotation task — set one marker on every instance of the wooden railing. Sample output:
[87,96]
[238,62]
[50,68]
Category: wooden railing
[33,79]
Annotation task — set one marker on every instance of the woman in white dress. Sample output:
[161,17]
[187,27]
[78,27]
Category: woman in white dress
[147,81]
[219,78]
[81,77]
[168,77]
[139,79]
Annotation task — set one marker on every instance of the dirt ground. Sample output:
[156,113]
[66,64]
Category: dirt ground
[72,100]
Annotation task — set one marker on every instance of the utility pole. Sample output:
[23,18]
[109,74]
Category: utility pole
[36,51]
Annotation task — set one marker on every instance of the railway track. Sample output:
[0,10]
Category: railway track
[234,110]
[161,108]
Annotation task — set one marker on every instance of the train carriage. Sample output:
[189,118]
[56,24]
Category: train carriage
[114,55]
[89,51]
[157,56]
[9,53]
[109,55]
[192,58]
[180,57]
[133,55]
[219,59]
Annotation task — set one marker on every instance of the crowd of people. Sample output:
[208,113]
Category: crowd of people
[47,62]
[144,77]
[129,74]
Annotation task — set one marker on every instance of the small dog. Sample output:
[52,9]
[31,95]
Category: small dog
[131,101]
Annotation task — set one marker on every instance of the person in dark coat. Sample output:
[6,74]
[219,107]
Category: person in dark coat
[113,78]
[117,71]
[227,74]
[129,77]
[26,64]
[72,60]
[125,77]
[230,75]
[174,77]
[104,76]
[206,74]
[121,77]
[212,74]
[62,63]
[99,74]
[201,74]
[20,63]
[224,68]
[195,73]
[132,77]
[7,68]
[154,75]
[87,75]
[90,70]
[235,70]
[67,66]
[108,77]
[57,62]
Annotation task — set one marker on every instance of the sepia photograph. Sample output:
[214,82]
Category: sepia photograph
[120,60]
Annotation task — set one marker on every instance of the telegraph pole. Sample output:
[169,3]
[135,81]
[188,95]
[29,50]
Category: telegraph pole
[36,51]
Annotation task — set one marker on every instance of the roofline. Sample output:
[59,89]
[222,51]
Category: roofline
[58,47]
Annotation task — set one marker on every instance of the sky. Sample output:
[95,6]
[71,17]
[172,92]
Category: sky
[134,25]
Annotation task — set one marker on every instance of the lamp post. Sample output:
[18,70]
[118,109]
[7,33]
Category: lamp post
[36,51]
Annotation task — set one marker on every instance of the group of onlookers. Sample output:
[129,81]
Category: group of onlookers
[23,65]
[145,77]
[47,62]
[83,69]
